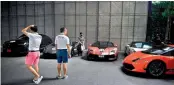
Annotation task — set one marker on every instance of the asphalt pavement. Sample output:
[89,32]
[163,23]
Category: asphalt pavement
[80,71]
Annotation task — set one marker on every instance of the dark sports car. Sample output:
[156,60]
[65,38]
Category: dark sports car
[102,49]
[50,50]
[20,45]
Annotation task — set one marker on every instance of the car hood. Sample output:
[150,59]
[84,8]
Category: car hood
[137,55]
[16,41]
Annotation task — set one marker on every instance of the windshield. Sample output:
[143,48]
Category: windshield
[141,45]
[103,44]
[157,51]
[23,37]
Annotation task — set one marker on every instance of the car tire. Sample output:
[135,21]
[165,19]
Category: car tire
[156,68]
[116,57]
[72,52]
[87,57]
[125,54]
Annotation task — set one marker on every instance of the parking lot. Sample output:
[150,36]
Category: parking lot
[80,71]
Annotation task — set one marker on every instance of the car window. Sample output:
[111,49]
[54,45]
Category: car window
[23,37]
[96,44]
[170,53]
[145,46]
[137,45]
[158,51]
[106,44]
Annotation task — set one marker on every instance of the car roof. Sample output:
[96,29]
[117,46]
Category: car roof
[103,41]
[139,42]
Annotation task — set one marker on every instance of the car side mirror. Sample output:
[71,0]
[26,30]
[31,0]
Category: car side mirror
[128,45]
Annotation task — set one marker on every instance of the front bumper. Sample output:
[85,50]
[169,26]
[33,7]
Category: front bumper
[102,56]
[15,50]
[135,67]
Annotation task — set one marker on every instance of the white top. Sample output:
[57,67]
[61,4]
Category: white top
[34,41]
[61,41]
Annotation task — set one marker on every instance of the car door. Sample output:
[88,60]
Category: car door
[170,59]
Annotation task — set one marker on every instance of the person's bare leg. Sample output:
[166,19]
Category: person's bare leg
[65,68]
[59,69]
[33,71]
[36,67]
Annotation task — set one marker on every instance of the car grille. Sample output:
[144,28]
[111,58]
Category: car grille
[128,66]
[109,56]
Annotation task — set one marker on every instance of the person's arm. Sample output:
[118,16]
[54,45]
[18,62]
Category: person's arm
[68,47]
[55,43]
[25,29]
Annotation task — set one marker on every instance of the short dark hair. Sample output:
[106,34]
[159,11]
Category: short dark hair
[34,29]
[81,33]
[62,29]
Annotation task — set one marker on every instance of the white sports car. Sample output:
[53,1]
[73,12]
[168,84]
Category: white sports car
[137,46]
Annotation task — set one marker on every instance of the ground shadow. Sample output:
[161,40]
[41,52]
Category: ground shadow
[144,75]
[96,59]
[28,81]
[19,82]
[48,57]
[12,55]
[48,79]
[52,57]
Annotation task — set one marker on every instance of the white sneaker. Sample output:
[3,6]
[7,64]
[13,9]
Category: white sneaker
[65,77]
[58,77]
[38,80]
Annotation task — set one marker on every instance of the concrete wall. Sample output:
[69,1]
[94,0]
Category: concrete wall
[119,22]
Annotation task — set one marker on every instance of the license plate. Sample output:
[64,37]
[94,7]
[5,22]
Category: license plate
[101,56]
[9,50]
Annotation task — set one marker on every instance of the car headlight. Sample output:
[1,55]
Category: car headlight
[113,51]
[23,43]
[12,41]
[135,59]
[90,50]
[133,50]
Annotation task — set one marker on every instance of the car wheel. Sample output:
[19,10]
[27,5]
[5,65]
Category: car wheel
[156,68]
[116,57]
[88,57]
[125,54]
[72,52]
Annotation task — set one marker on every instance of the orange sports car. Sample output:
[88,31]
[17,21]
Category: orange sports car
[102,49]
[155,62]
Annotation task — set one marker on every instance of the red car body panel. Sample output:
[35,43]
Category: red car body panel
[141,64]
[107,51]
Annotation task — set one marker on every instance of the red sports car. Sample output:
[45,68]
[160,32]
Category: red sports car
[155,61]
[102,49]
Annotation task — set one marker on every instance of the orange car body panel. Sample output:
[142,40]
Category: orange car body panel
[141,64]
